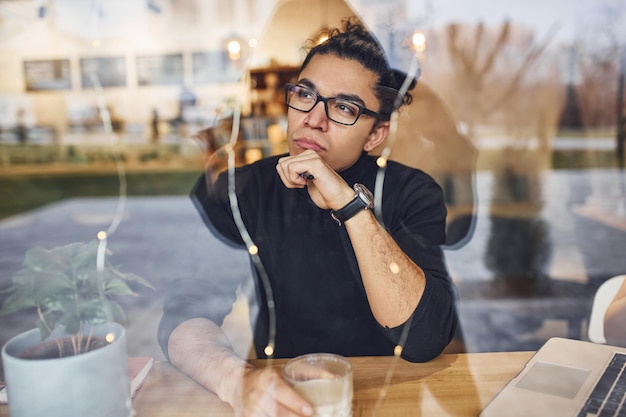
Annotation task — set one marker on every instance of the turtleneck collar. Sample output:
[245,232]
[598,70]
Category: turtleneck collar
[357,172]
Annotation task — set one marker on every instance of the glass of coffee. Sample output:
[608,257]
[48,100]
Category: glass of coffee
[325,380]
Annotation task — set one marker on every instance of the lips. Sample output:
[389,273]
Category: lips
[309,144]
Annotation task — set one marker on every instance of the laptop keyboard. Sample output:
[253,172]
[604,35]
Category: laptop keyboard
[607,398]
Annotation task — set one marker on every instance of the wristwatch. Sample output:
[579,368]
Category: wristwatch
[363,200]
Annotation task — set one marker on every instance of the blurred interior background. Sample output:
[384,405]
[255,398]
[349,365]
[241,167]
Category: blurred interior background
[109,111]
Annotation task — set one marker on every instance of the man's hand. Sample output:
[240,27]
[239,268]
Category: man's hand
[265,393]
[200,349]
[327,189]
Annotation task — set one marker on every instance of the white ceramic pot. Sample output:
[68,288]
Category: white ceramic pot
[93,384]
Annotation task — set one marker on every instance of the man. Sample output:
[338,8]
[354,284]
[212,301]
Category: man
[340,281]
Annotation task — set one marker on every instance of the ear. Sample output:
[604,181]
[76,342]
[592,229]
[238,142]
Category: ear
[377,136]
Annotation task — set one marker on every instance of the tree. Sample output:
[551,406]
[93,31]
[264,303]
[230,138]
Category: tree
[487,79]
[598,53]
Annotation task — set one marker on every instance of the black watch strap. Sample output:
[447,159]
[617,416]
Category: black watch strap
[363,200]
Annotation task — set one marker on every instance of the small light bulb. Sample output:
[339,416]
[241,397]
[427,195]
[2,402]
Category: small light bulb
[102,235]
[253,250]
[269,350]
[397,350]
[419,41]
[234,47]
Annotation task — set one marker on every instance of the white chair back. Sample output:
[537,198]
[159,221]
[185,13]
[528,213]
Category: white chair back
[604,295]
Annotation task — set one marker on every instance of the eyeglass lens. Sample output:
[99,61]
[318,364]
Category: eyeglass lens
[337,109]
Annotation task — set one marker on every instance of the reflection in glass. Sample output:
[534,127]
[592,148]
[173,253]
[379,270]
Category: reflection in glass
[516,121]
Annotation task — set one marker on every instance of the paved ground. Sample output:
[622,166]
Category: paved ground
[162,238]
[159,238]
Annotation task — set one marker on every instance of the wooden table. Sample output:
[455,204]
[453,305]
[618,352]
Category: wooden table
[451,385]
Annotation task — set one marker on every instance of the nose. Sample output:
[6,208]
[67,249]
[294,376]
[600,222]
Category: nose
[317,117]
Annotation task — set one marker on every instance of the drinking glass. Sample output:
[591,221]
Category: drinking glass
[325,380]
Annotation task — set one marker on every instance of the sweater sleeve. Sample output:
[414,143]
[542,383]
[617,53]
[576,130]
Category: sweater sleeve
[418,227]
[211,295]
[212,202]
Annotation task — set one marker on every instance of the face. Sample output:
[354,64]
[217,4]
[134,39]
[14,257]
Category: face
[339,145]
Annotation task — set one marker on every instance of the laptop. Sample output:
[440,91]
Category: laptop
[565,378]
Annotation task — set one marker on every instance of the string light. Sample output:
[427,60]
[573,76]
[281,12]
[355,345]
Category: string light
[322,37]
[234,49]
[419,41]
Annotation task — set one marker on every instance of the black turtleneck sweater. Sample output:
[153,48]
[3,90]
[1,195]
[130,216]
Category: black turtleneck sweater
[320,301]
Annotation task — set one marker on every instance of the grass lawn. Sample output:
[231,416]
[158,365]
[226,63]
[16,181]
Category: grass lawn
[23,192]
[25,189]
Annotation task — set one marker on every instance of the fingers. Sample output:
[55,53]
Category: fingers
[296,171]
[265,393]
[290,178]
[291,402]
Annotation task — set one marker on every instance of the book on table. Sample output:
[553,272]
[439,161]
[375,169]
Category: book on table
[138,368]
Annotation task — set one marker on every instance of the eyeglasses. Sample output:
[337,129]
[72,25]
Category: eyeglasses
[339,110]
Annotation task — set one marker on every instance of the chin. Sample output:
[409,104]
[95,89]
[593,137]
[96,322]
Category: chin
[294,150]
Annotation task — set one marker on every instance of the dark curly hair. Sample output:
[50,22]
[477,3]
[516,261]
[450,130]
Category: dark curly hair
[354,42]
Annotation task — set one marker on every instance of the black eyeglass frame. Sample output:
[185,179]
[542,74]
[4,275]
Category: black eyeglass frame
[362,109]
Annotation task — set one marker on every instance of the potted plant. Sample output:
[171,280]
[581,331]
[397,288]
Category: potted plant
[75,363]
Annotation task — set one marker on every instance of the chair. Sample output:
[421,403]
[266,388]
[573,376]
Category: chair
[604,295]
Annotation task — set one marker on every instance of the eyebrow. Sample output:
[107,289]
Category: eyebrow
[344,96]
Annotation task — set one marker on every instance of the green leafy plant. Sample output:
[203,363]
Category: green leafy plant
[69,291]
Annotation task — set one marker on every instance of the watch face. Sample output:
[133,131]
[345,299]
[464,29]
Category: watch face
[365,195]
